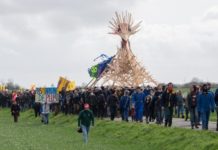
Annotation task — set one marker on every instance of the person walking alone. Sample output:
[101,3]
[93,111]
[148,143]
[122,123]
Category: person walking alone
[45,113]
[15,111]
[85,119]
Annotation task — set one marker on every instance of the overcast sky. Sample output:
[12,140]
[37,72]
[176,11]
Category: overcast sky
[41,40]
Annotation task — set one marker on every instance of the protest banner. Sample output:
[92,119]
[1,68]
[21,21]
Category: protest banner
[49,95]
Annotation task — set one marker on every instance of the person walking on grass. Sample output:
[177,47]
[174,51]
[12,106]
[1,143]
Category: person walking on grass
[85,119]
[205,104]
[45,112]
[192,106]
[15,110]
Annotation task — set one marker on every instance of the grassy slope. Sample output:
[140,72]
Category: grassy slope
[30,134]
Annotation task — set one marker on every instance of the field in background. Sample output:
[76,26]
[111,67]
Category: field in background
[30,134]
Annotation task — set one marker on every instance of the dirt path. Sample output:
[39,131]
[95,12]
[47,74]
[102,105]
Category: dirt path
[181,123]
[186,124]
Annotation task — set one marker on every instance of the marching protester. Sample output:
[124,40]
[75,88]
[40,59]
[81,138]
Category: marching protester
[125,105]
[138,99]
[158,103]
[152,106]
[86,118]
[169,101]
[76,101]
[37,107]
[45,113]
[180,104]
[67,102]
[206,104]
[101,106]
[62,98]
[147,109]
[192,106]
[93,103]
[15,110]
[112,103]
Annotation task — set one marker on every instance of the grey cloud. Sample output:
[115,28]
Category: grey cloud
[53,38]
[211,14]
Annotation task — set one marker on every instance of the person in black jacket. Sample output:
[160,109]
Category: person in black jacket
[15,111]
[192,106]
[169,101]
[147,110]
[101,105]
[37,107]
[112,103]
[158,102]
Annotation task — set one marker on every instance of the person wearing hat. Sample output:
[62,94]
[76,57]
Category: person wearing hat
[85,119]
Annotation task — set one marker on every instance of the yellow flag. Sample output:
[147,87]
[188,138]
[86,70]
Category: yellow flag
[71,86]
[62,84]
[66,84]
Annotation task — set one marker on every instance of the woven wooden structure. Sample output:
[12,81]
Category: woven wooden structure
[124,70]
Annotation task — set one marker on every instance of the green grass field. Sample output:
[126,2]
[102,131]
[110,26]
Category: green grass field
[60,134]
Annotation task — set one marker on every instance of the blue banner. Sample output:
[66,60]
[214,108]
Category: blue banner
[49,95]
[96,70]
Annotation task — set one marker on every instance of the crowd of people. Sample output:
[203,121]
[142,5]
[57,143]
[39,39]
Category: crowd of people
[159,104]
[25,99]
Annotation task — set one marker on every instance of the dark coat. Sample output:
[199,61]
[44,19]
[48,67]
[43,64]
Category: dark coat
[15,109]
[112,101]
[169,99]
[192,100]
[216,97]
